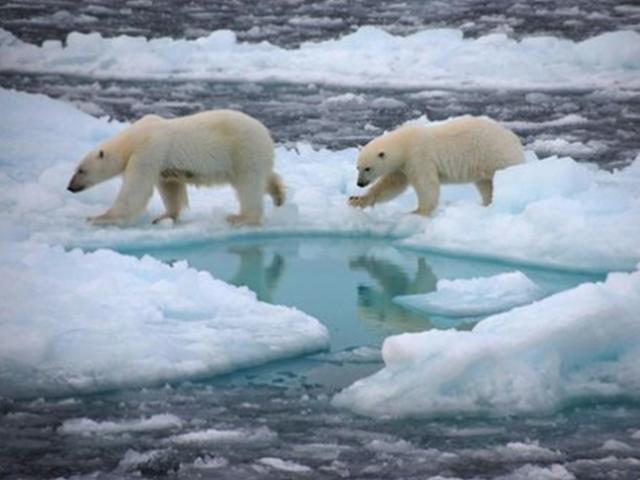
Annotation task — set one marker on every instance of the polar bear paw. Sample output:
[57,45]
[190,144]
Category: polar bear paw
[359,201]
[104,219]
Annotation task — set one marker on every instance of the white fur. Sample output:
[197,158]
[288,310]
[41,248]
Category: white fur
[208,148]
[464,149]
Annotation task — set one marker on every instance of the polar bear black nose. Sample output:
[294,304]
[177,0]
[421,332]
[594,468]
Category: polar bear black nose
[74,188]
[362,183]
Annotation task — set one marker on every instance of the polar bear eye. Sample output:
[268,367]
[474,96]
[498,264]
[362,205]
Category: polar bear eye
[81,171]
[381,155]
[368,169]
[101,154]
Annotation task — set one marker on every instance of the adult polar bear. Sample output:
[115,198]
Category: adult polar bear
[460,150]
[208,148]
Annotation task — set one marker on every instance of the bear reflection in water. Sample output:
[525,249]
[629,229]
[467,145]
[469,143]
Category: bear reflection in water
[349,285]
[254,273]
[375,305]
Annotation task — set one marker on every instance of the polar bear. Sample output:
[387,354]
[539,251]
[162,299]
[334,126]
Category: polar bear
[460,150]
[208,148]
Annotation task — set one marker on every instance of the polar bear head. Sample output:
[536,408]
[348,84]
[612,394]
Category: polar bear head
[380,156]
[100,164]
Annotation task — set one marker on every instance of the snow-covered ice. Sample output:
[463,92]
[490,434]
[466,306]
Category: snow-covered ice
[580,343]
[475,296]
[369,56]
[80,322]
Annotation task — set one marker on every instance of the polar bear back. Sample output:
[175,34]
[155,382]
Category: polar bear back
[466,149]
[210,147]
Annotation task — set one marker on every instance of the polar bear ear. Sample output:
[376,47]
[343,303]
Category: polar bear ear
[101,154]
[381,155]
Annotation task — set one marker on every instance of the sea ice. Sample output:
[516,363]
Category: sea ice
[213,436]
[285,465]
[81,322]
[86,426]
[369,57]
[536,472]
[577,344]
[475,296]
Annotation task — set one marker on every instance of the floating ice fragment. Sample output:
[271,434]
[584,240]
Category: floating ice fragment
[284,465]
[214,436]
[476,296]
[86,426]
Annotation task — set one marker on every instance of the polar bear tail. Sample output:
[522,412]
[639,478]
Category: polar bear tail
[275,188]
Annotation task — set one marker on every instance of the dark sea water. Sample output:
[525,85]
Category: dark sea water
[280,416]
[288,23]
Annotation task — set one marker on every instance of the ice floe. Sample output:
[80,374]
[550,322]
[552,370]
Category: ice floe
[81,322]
[369,56]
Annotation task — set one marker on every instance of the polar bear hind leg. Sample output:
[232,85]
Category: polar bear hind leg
[174,196]
[250,193]
[275,188]
[485,187]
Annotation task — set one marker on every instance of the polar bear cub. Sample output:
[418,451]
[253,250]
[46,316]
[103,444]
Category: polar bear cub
[208,148]
[460,150]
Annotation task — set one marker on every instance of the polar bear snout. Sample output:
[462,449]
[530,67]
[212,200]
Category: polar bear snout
[363,179]
[74,186]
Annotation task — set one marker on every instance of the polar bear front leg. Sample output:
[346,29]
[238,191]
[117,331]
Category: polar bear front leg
[386,188]
[174,196]
[135,192]
[428,192]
